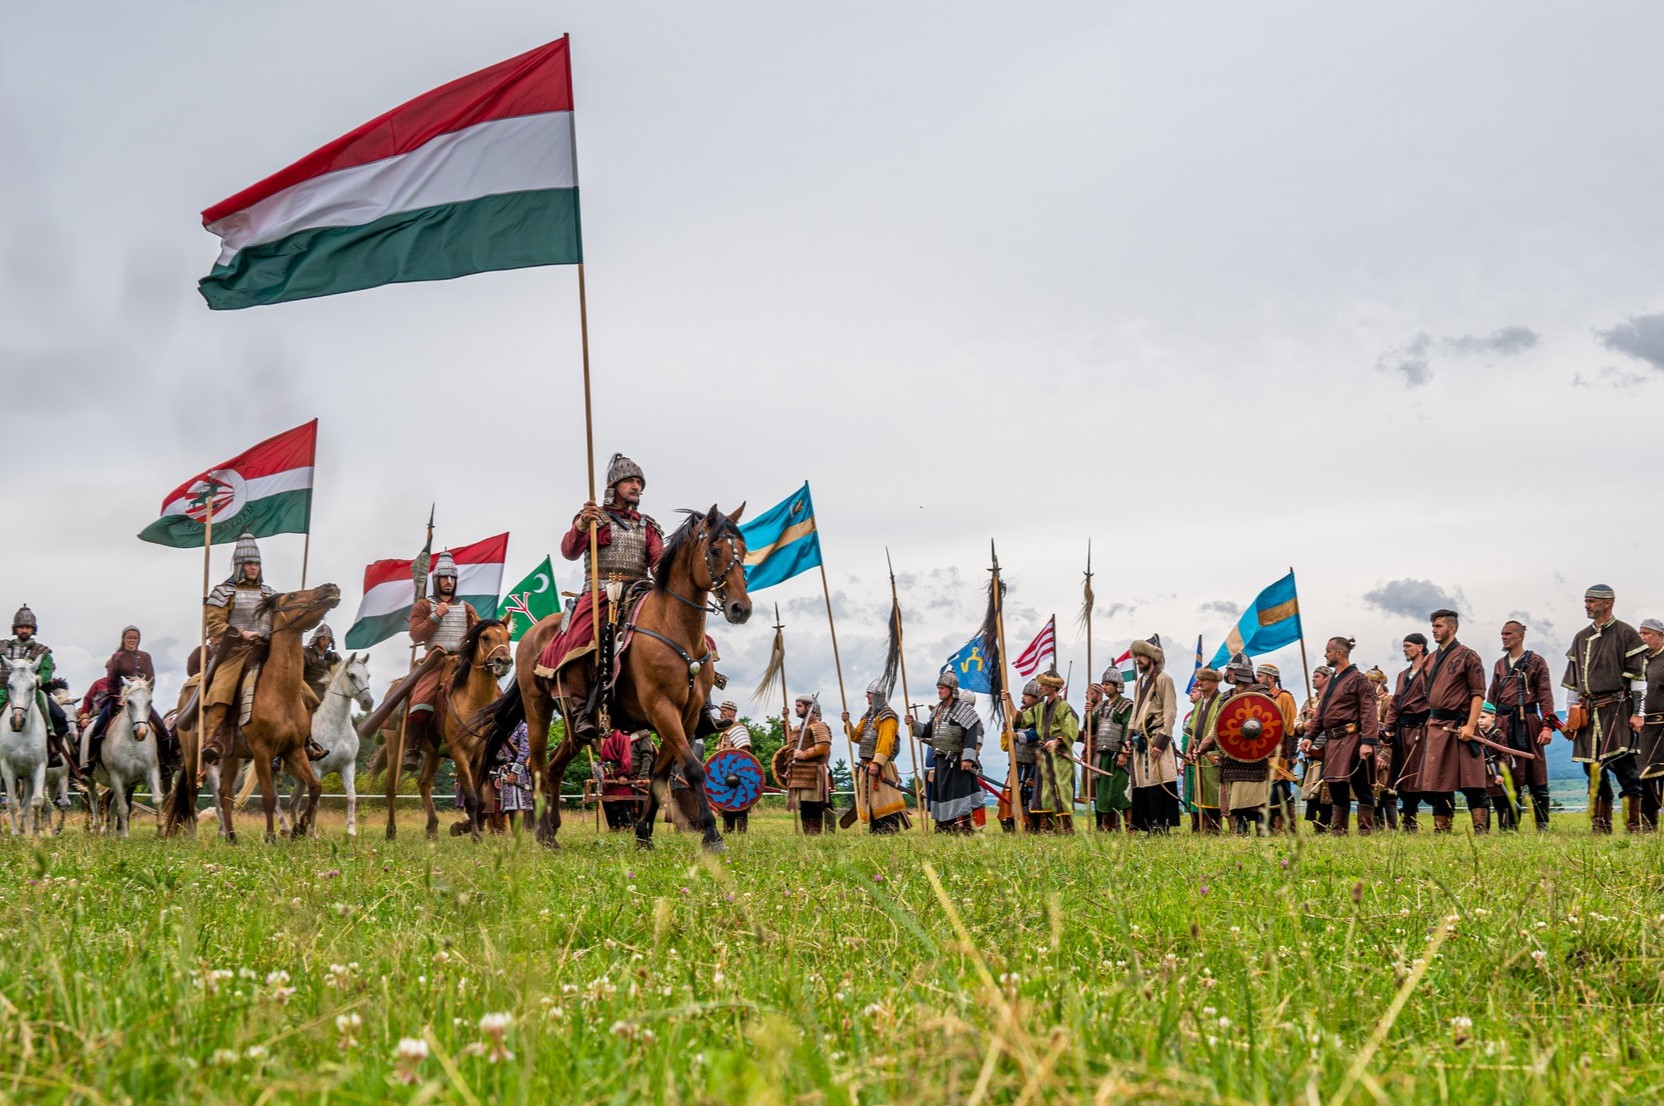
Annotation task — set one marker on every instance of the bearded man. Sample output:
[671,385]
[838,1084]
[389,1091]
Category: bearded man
[1606,657]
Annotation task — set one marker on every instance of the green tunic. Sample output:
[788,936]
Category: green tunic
[1204,792]
[1111,793]
[1054,773]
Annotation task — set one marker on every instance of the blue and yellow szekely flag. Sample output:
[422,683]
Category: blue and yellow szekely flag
[1271,621]
[971,667]
[781,542]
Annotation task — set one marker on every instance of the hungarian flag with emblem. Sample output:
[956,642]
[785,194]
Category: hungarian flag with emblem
[530,601]
[263,490]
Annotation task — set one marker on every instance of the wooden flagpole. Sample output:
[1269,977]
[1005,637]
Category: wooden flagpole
[906,700]
[786,716]
[843,699]
[1091,679]
[1017,812]
[395,756]
[1304,663]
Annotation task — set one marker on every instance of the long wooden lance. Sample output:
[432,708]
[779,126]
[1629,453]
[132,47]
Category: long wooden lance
[786,713]
[395,758]
[1010,738]
[1087,602]
[907,701]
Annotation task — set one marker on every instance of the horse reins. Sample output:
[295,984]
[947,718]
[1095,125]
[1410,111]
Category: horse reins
[718,589]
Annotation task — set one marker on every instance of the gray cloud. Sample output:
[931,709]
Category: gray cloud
[1507,342]
[1413,360]
[1639,336]
[1611,377]
[1413,598]
[1221,607]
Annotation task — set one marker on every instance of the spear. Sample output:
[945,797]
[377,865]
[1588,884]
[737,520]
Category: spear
[997,686]
[1087,601]
[395,757]
[906,699]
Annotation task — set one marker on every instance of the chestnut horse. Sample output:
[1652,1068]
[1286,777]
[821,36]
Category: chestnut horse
[277,728]
[470,680]
[664,681]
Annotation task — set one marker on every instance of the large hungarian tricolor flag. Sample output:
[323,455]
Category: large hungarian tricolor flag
[389,592]
[478,174]
[263,490]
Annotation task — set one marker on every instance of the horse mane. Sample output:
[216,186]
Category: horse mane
[128,682]
[470,645]
[683,538]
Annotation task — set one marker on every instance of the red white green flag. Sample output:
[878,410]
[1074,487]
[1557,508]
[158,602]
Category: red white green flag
[476,175]
[263,490]
[389,592]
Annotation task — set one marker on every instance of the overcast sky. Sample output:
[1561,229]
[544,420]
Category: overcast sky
[1372,291]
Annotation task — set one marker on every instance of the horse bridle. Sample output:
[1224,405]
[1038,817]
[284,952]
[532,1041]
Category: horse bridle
[719,580]
[719,592]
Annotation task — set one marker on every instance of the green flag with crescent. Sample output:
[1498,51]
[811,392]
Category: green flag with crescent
[531,599]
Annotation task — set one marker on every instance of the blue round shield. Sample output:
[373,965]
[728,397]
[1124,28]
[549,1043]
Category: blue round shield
[733,780]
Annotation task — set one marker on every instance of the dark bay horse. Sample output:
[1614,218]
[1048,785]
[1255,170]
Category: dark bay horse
[665,678]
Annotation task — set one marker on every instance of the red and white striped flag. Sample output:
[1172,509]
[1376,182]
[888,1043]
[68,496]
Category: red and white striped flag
[1043,646]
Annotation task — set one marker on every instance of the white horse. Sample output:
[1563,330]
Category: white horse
[130,754]
[349,683]
[23,745]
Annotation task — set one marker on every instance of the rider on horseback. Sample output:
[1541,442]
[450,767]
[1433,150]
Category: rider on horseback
[441,622]
[22,646]
[240,625]
[125,663]
[320,659]
[629,545]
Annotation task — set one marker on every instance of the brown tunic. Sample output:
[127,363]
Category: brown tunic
[1523,695]
[1455,678]
[1651,741]
[1348,715]
[1407,723]
[1602,662]
[807,781]
[422,627]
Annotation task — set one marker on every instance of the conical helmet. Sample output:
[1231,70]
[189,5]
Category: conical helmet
[24,618]
[444,565]
[245,551]
[622,468]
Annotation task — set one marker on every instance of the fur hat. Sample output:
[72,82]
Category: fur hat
[1212,675]
[1049,681]
[1112,675]
[1150,650]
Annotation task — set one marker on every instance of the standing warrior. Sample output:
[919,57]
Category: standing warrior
[1282,761]
[1347,726]
[1155,763]
[320,659]
[1244,786]
[1523,694]
[1108,721]
[1649,724]
[239,627]
[1454,761]
[22,646]
[617,795]
[1312,788]
[1056,729]
[1605,657]
[1406,729]
[808,786]
[628,545]
[441,622]
[877,782]
[733,735]
[954,735]
[1384,794]
[1023,740]
[1199,752]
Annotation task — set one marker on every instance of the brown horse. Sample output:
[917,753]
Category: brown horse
[278,726]
[666,676]
[470,679]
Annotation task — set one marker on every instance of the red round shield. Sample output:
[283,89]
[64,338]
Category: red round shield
[1249,726]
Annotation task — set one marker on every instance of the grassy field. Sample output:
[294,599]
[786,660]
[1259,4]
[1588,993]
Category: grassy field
[841,969]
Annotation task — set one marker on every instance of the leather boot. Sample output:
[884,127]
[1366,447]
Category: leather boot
[1481,820]
[214,748]
[1441,823]
[1340,819]
[1366,820]
[1407,821]
[1602,821]
[1632,814]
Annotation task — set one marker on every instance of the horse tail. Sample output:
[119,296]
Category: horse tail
[502,717]
[180,807]
[377,763]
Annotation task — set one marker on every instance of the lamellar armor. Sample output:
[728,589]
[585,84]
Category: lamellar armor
[625,555]
[245,607]
[950,723]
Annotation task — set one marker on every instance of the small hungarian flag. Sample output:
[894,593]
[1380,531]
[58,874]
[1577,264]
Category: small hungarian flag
[264,490]
[531,600]
[476,175]
[389,594]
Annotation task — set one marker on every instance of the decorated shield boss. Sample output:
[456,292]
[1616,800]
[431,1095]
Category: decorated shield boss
[733,780]
[1249,727]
